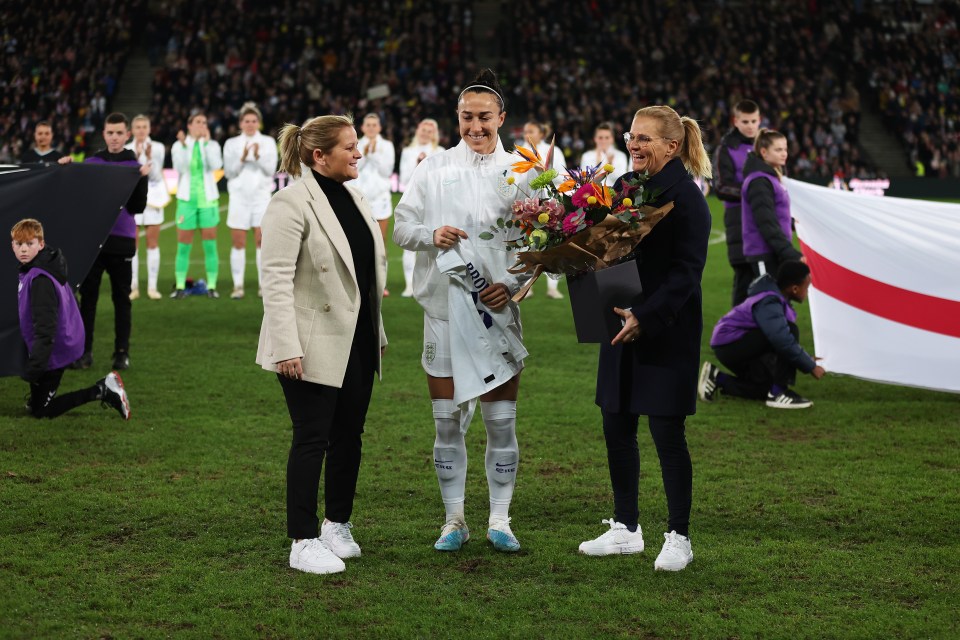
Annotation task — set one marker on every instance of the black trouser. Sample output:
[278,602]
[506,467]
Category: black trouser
[742,277]
[755,365]
[327,422]
[44,401]
[623,457]
[119,269]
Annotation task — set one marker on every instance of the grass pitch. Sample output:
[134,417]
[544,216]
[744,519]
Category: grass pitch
[839,521]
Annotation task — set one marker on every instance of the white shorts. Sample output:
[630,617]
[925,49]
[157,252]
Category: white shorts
[436,359]
[382,208]
[244,213]
[436,347]
[150,216]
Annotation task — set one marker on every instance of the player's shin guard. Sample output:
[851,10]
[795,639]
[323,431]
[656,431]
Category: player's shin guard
[238,263]
[503,453]
[212,262]
[182,264]
[153,268]
[450,456]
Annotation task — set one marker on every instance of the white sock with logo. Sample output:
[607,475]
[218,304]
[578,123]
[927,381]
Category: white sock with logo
[153,268]
[409,262]
[135,271]
[259,277]
[450,457]
[238,264]
[503,453]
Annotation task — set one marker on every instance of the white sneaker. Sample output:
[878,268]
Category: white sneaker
[153,294]
[554,294]
[676,553]
[407,293]
[134,294]
[618,540]
[311,556]
[337,537]
[500,534]
[237,293]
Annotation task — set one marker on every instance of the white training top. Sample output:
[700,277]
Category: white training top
[619,160]
[375,168]
[253,177]
[409,162]
[157,194]
[463,189]
[182,153]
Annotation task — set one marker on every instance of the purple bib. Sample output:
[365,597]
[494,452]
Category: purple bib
[753,242]
[739,156]
[68,342]
[739,320]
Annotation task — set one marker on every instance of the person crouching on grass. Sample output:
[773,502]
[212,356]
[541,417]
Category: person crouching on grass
[758,341]
[52,329]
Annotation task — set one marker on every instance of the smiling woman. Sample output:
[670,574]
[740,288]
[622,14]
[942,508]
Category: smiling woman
[454,196]
[324,267]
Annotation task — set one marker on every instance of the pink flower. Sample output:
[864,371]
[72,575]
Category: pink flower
[574,222]
[580,196]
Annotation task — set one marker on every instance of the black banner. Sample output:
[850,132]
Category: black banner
[77,205]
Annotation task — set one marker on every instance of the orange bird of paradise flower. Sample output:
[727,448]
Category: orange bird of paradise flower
[531,160]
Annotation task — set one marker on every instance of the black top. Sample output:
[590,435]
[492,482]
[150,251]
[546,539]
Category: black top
[30,156]
[657,374]
[361,246]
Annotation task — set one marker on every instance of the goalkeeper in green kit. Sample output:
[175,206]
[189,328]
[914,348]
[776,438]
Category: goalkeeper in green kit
[195,158]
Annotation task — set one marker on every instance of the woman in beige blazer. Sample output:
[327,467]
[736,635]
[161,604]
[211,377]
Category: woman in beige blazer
[323,272]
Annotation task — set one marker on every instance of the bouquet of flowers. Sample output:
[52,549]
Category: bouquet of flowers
[577,225]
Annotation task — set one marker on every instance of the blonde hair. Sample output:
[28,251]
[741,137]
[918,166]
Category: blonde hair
[140,116]
[684,130]
[297,143]
[435,140]
[248,108]
[26,230]
[765,140]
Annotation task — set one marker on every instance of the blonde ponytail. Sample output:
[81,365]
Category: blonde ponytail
[692,153]
[289,142]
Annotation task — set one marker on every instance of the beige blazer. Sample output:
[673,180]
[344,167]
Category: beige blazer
[311,300]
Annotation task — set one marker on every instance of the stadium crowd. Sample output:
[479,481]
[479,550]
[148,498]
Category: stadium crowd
[303,58]
[910,55]
[569,65]
[61,61]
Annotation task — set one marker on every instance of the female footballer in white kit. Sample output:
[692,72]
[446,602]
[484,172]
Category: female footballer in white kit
[158,197]
[453,197]
[249,164]
[376,167]
[425,143]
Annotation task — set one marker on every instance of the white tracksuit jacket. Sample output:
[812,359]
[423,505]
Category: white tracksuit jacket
[621,163]
[157,194]
[251,179]
[408,160]
[182,153]
[460,188]
[375,169]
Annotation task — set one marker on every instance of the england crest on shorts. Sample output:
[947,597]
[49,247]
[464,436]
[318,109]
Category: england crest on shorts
[429,351]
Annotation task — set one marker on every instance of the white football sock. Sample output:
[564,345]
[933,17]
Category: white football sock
[503,453]
[409,261]
[238,263]
[259,278]
[135,271]
[552,284]
[153,268]
[450,456]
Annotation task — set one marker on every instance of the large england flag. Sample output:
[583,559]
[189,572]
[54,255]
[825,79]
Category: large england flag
[885,298]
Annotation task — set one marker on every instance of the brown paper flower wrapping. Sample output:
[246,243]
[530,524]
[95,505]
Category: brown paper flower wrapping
[594,248]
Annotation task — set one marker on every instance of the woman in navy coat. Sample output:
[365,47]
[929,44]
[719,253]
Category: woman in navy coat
[650,368]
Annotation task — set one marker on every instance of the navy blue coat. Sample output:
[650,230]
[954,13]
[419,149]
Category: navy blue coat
[657,374]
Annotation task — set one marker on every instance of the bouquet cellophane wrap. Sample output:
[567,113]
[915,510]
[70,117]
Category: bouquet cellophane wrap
[596,247]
